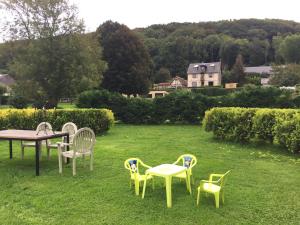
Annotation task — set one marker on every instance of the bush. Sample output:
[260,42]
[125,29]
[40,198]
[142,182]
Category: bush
[263,124]
[243,124]
[18,102]
[177,107]
[99,120]
[138,111]
[230,123]
[182,106]
[213,91]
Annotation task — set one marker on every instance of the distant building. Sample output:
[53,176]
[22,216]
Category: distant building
[7,81]
[231,85]
[176,82]
[154,94]
[263,71]
[204,74]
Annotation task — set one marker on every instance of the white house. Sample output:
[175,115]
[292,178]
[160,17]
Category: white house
[204,74]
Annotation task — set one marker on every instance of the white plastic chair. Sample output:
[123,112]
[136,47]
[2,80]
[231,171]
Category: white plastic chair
[44,127]
[83,145]
[70,128]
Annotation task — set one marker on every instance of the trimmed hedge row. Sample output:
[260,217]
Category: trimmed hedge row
[244,124]
[99,120]
[184,106]
[177,107]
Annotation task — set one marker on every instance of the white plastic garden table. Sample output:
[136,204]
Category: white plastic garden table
[167,171]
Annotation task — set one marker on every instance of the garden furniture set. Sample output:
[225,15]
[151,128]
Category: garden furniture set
[75,143]
[181,171]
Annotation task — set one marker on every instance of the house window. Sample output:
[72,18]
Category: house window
[194,76]
[202,83]
[210,83]
[194,84]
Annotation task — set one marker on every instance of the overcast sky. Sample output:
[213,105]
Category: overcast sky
[142,13]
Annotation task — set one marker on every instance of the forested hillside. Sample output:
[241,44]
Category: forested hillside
[175,45]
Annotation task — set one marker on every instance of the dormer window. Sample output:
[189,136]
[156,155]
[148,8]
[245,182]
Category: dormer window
[203,69]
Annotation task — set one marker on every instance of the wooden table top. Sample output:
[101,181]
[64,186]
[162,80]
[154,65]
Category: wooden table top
[30,135]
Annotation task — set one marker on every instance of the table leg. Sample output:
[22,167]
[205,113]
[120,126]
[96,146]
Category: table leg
[68,147]
[10,149]
[169,191]
[144,186]
[37,158]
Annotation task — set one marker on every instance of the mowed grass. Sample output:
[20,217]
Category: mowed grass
[263,188]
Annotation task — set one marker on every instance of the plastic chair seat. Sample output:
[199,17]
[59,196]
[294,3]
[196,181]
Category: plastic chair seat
[70,154]
[141,177]
[212,188]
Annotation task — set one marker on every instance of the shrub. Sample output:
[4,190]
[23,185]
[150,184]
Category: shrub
[177,107]
[18,102]
[213,91]
[263,124]
[243,124]
[137,111]
[100,120]
[230,123]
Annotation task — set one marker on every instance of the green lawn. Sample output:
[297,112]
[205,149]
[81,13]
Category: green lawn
[264,187]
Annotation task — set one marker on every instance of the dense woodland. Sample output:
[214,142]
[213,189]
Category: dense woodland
[175,45]
[129,61]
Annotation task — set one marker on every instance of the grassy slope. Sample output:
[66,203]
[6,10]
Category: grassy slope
[262,189]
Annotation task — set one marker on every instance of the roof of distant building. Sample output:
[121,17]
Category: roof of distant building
[259,69]
[212,67]
[7,80]
[181,80]
[164,84]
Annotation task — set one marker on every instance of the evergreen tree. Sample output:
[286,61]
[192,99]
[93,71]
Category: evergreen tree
[238,72]
[129,64]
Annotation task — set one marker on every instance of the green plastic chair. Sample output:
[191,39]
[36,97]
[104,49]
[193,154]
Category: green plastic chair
[188,161]
[133,164]
[213,187]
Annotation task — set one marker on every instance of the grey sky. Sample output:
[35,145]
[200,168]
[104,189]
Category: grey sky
[142,13]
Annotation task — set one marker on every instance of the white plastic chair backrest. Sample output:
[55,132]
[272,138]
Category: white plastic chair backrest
[70,128]
[44,127]
[84,140]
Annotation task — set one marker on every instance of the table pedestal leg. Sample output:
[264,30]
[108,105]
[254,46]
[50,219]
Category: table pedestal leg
[37,158]
[10,149]
[169,191]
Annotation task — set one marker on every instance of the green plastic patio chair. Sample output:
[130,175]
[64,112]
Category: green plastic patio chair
[132,164]
[188,161]
[213,187]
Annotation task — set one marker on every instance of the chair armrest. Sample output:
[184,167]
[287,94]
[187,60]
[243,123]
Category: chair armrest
[63,144]
[207,181]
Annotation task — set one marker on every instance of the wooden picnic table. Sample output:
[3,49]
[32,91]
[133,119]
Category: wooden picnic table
[31,135]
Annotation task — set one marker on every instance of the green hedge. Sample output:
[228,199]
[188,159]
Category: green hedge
[99,120]
[244,124]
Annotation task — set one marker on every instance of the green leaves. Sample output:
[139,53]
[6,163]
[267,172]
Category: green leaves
[244,124]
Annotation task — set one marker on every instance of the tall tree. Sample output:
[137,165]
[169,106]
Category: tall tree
[288,75]
[238,72]
[290,48]
[56,61]
[129,64]
[162,75]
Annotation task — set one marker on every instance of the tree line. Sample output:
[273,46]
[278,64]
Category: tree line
[51,56]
